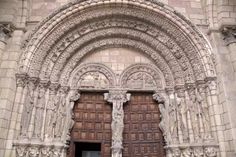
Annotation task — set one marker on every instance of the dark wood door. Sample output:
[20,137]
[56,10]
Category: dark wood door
[92,123]
[142,136]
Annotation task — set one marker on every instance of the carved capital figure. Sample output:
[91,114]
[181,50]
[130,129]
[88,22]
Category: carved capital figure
[33,151]
[229,34]
[210,151]
[5,32]
[46,151]
[117,98]
[21,150]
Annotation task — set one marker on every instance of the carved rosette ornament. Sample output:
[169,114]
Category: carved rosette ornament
[117,98]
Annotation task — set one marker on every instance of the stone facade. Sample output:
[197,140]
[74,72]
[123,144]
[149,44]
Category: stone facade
[182,50]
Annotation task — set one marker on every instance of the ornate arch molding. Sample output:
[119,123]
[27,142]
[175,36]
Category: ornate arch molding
[173,18]
[142,77]
[94,76]
[118,42]
[57,99]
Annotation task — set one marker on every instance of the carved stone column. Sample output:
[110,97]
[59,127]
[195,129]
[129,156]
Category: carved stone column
[117,98]
[27,114]
[39,110]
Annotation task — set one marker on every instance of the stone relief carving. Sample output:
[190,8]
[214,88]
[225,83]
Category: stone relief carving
[93,76]
[21,151]
[93,80]
[46,151]
[33,151]
[140,80]
[141,77]
[117,98]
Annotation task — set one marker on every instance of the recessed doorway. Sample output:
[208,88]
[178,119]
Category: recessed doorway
[83,149]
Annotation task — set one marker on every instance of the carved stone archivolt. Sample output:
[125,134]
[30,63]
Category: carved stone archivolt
[51,75]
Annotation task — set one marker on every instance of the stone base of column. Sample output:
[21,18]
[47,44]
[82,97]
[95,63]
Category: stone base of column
[189,150]
[39,149]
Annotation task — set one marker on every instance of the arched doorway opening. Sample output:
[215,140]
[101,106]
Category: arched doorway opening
[170,57]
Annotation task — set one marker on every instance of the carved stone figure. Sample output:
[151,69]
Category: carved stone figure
[198,152]
[194,114]
[182,110]
[57,152]
[28,108]
[61,113]
[173,120]
[75,97]
[46,151]
[21,150]
[210,151]
[33,151]
[51,107]
[201,97]
[176,152]
[164,123]
[187,152]
[39,110]
[117,98]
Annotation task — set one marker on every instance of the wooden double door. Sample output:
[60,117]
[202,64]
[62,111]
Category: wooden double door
[92,128]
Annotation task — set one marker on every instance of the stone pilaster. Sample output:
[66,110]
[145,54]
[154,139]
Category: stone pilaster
[229,36]
[117,98]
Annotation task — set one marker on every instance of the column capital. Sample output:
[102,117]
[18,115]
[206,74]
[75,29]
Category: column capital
[159,98]
[5,32]
[229,33]
[117,95]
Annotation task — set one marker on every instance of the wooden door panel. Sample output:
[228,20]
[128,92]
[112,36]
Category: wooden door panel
[142,136]
[92,122]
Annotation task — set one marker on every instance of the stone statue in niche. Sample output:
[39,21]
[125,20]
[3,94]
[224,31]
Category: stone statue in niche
[61,114]
[51,108]
[194,114]
[28,108]
[183,114]
[140,80]
[94,80]
[173,119]
[39,109]
[204,111]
